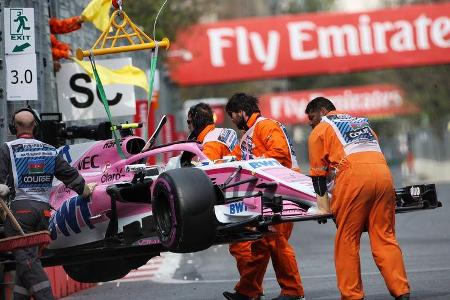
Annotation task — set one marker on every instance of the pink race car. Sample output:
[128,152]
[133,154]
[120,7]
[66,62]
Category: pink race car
[139,210]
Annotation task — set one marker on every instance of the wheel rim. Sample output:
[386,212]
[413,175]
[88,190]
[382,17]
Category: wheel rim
[164,215]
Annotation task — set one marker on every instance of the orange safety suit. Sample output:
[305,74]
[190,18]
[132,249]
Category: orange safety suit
[217,142]
[363,199]
[267,138]
[59,49]
[57,26]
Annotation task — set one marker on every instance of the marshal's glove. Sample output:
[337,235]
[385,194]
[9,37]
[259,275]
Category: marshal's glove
[88,189]
[4,190]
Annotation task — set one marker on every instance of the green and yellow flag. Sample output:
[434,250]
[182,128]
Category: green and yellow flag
[97,12]
[125,75]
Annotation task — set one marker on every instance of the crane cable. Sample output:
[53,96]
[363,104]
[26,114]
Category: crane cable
[153,63]
[154,59]
[102,94]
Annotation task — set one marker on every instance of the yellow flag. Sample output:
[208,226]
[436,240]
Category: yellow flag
[97,12]
[125,75]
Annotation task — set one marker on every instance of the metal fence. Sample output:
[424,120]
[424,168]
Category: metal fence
[45,80]
[434,144]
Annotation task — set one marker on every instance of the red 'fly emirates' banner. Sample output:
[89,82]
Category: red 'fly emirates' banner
[370,101]
[296,45]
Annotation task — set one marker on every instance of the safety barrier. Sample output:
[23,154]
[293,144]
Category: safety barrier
[62,284]
[7,286]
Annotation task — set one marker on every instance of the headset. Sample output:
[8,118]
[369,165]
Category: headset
[37,121]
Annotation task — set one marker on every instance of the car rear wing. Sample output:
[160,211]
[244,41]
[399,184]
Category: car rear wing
[408,199]
[416,197]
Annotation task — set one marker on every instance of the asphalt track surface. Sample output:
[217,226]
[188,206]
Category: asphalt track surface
[424,238]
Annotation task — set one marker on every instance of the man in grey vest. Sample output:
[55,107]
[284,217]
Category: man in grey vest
[27,167]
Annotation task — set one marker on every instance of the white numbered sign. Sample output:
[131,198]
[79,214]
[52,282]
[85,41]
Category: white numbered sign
[21,77]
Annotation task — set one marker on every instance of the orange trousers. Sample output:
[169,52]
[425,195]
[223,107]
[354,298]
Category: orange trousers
[364,199]
[253,257]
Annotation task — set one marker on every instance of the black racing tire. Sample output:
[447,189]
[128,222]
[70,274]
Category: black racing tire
[183,208]
[104,270]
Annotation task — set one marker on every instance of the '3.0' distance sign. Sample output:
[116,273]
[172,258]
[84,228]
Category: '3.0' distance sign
[79,99]
[21,77]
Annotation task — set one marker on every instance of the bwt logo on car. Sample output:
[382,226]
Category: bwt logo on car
[264,163]
[66,217]
[237,207]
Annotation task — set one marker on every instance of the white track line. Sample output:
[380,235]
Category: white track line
[158,269]
[161,270]
[170,281]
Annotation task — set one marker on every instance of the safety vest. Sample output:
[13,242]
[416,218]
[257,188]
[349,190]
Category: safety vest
[247,145]
[225,136]
[33,168]
[355,134]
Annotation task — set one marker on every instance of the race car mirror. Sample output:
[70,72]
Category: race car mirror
[135,168]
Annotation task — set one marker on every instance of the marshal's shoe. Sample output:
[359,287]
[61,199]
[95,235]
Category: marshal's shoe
[285,297]
[238,296]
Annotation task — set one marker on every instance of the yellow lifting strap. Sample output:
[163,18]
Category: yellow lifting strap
[124,33]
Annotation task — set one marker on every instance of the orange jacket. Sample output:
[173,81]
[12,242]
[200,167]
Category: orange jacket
[212,149]
[60,49]
[268,139]
[362,200]
[58,26]
[328,147]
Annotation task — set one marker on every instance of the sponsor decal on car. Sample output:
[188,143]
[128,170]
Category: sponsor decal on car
[108,177]
[264,163]
[414,191]
[237,207]
[65,217]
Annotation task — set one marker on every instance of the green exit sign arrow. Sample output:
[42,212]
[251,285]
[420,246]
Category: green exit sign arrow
[20,48]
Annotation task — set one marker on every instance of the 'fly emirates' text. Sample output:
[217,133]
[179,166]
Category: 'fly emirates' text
[308,41]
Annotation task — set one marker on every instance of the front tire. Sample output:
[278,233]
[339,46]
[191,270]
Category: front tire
[183,207]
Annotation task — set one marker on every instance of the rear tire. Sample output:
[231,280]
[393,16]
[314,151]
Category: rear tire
[183,207]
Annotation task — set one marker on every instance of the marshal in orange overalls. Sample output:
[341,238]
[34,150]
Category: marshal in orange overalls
[58,26]
[267,138]
[215,145]
[363,199]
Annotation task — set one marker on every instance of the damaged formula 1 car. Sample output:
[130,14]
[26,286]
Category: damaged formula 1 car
[138,210]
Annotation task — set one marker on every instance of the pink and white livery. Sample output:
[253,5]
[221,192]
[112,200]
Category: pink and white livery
[139,210]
